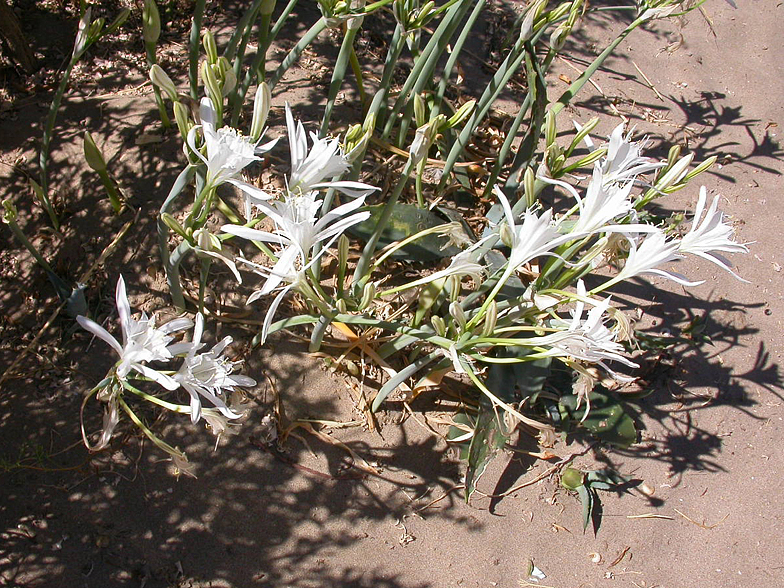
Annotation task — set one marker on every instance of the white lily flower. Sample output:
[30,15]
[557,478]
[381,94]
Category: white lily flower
[709,234]
[603,203]
[534,237]
[309,169]
[297,229]
[228,150]
[654,251]
[624,161]
[298,226]
[143,342]
[589,339]
[209,374]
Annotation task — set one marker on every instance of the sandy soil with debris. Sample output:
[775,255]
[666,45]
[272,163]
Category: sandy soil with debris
[254,518]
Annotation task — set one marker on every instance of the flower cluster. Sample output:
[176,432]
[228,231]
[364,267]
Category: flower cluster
[204,375]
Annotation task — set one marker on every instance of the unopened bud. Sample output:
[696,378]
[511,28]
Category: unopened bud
[181,115]
[491,318]
[161,79]
[368,294]
[550,131]
[261,108]
[676,173]
[438,325]
[229,81]
[340,305]
[419,110]
[119,20]
[505,233]
[704,166]
[9,213]
[94,32]
[210,48]
[343,247]
[457,313]
[82,34]
[151,22]
[461,114]
[529,186]
[92,154]
[174,225]
[211,84]
[527,27]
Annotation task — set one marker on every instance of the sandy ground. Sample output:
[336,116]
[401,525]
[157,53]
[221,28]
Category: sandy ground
[709,448]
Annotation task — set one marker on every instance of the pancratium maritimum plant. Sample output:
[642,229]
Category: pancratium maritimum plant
[517,306]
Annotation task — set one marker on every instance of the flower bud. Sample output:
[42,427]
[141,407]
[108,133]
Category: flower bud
[572,479]
[94,31]
[343,247]
[438,325]
[491,318]
[453,285]
[174,225]
[505,233]
[210,48]
[9,215]
[151,22]
[704,166]
[229,81]
[161,79]
[92,154]
[81,36]
[527,27]
[261,108]
[550,131]
[368,294]
[340,305]
[529,186]
[181,115]
[461,114]
[419,110]
[675,174]
[458,314]
[211,84]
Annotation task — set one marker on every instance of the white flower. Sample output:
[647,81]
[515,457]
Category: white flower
[209,374]
[654,251]
[624,160]
[228,151]
[534,237]
[142,341]
[297,229]
[589,339]
[602,204]
[325,159]
[710,234]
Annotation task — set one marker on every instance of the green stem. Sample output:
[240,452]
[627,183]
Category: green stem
[338,75]
[295,53]
[193,47]
[111,190]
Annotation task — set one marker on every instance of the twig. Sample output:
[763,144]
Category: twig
[650,84]
[440,498]
[702,525]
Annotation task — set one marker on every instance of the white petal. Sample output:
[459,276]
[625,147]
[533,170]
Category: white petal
[99,332]
[123,308]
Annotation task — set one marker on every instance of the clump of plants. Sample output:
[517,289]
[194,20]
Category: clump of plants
[519,306]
